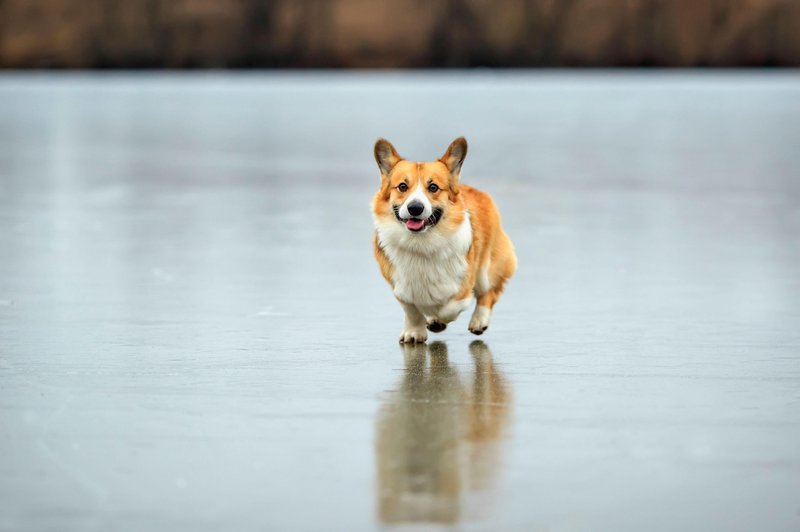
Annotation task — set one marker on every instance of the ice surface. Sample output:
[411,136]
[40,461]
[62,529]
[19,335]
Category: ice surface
[194,334]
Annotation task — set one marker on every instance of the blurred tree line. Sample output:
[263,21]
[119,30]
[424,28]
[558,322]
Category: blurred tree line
[397,33]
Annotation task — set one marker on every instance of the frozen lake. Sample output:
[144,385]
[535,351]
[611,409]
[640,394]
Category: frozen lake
[194,334]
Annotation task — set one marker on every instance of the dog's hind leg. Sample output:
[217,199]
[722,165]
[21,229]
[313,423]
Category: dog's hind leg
[483,312]
[487,299]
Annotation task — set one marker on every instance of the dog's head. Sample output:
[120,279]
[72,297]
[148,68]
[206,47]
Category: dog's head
[419,195]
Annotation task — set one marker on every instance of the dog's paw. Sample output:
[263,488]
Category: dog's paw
[452,309]
[480,320]
[436,326]
[413,336]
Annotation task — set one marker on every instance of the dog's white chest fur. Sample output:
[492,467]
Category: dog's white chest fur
[428,267]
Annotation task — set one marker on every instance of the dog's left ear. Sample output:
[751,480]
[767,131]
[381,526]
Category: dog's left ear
[454,157]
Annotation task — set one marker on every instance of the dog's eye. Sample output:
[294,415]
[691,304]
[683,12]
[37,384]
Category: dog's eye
[402,187]
[433,187]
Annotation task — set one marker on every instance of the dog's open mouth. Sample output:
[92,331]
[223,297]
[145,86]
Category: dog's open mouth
[413,224]
[416,225]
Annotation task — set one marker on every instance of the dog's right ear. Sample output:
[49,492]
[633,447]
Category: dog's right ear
[386,156]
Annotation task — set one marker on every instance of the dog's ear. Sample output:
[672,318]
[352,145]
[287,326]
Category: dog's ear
[454,157]
[386,156]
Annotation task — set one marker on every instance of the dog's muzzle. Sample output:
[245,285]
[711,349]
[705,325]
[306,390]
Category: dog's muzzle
[415,225]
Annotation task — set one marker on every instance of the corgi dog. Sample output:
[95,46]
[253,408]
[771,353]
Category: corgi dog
[438,242]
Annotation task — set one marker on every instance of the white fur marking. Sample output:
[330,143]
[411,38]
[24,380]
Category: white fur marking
[420,196]
[450,310]
[414,330]
[428,266]
[480,318]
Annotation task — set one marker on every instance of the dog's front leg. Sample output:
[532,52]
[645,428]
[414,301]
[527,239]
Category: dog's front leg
[447,313]
[458,303]
[414,328]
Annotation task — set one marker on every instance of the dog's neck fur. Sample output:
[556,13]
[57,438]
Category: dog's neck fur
[428,267]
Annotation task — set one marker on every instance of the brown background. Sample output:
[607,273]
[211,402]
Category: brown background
[401,33]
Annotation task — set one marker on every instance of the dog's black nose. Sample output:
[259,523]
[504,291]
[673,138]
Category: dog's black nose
[415,208]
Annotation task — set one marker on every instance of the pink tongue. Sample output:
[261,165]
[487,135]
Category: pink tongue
[414,225]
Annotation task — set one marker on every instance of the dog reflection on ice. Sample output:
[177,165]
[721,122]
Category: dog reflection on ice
[439,438]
